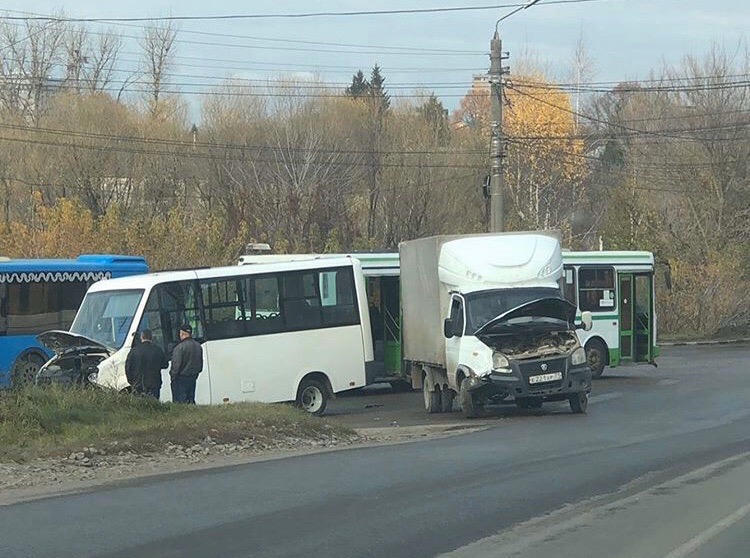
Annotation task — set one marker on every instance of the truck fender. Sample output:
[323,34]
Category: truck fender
[461,373]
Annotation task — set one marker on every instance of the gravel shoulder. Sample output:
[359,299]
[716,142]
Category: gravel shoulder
[92,467]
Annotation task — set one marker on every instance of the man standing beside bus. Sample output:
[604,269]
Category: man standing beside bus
[187,363]
[144,365]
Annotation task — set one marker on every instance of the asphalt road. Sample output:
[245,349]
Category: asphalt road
[660,467]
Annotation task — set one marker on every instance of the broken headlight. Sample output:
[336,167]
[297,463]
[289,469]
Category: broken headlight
[578,357]
[500,362]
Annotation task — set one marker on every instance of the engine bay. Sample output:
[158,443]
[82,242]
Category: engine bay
[524,346]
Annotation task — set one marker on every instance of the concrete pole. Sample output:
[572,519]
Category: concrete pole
[496,141]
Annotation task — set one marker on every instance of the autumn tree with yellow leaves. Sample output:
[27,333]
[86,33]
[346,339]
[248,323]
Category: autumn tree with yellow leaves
[544,167]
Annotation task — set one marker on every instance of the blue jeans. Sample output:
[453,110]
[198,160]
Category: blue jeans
[183,389]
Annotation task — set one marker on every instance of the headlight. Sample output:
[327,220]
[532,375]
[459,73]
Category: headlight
[499,361]
[578,356]
[93,377]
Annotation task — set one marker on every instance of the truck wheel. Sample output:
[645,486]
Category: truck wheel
[432,400]
[312,397]
[579,403]
[446,401]
[596,356]
[469,404]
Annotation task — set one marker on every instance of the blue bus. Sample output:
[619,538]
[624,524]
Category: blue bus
[39,295]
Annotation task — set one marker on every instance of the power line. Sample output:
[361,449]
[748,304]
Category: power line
[194,154]
[593,119]
[297,15]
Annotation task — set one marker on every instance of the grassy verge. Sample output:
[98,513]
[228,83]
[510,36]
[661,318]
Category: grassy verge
[51,421]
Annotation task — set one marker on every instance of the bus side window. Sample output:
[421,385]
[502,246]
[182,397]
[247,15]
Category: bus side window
[342,309]
[596,289]
[569,286]
[169,306]
[300,301]
[262,310]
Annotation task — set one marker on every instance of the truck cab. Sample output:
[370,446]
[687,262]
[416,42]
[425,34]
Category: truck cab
[506,334]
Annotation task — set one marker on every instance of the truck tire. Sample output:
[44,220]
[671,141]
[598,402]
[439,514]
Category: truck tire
[470,407]
[596,356]
[432,399]
[579,403]
[446,400]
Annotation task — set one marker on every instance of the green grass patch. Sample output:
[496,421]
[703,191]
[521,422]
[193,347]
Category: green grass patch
[51,421]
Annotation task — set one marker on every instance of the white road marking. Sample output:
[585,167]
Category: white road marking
[702,538]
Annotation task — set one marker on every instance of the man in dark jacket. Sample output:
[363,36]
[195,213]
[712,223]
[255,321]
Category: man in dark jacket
[187,363]
[144,365]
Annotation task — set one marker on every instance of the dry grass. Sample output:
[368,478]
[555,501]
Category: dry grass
[50,421]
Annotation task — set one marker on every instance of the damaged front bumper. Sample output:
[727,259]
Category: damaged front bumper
[519,382]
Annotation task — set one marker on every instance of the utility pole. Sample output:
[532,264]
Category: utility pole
[496,141]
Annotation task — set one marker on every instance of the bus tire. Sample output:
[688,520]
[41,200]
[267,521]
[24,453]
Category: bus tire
[25,369]
[596,356]
[432,399]
[312,396]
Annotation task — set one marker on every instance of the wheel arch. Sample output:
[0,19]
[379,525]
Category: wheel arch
[315,375]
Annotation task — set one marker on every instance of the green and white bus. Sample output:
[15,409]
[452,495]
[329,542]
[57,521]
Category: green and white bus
[617,287]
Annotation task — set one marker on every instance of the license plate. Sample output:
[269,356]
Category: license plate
[542,378]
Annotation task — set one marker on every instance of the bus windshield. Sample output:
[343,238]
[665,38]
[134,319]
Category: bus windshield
[106,316]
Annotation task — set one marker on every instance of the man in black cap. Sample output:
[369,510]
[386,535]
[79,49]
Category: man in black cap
[144,365]
[187,363]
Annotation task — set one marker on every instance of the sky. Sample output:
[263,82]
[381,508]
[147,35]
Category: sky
[625,38]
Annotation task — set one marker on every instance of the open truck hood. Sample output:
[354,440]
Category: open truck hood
[64,341]
[539,315]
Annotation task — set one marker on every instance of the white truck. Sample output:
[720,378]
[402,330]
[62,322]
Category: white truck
[484,319]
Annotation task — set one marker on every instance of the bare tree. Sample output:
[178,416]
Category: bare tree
[33,50]
[583,69]
[102,61]
[158,53]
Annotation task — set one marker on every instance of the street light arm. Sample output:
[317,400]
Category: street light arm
[506,16]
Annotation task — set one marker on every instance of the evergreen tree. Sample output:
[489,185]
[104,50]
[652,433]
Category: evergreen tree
[359,87]
[436,116]
[377,90]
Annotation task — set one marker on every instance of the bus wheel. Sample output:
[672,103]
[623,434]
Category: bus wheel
[432,400]
[312,396]
[596,357]
[25,369]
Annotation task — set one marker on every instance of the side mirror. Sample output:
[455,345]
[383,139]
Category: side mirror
[587,321]
[448,328]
